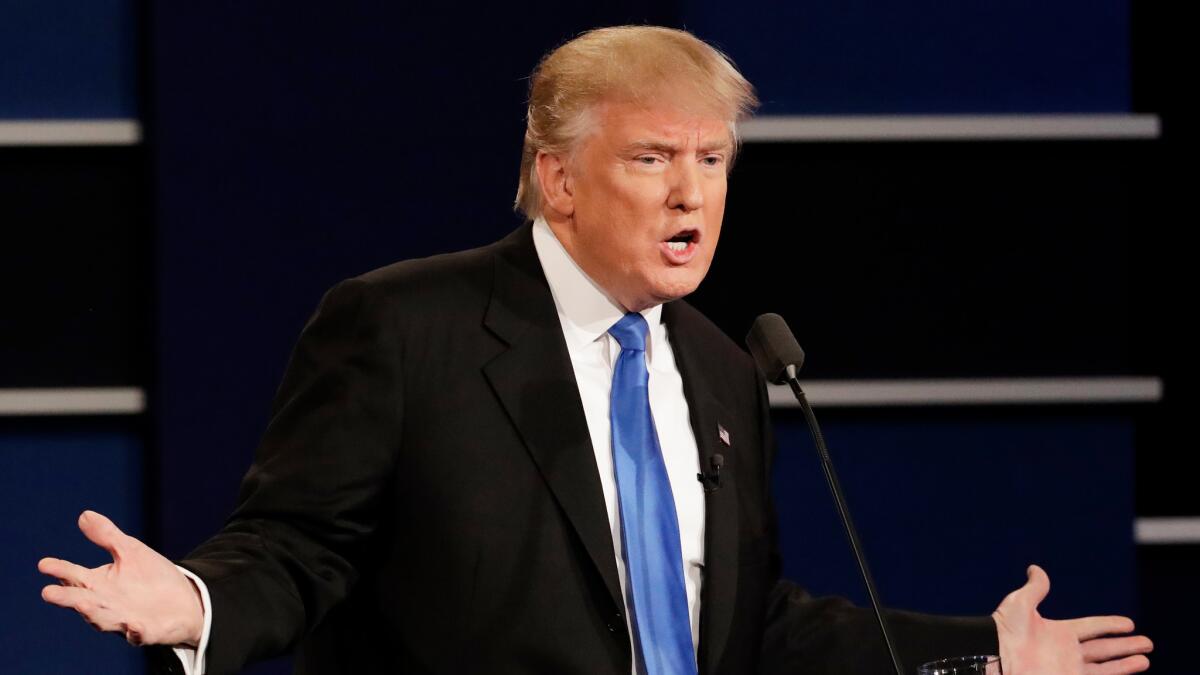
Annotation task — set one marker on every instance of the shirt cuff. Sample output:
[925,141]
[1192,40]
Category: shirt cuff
[193,659]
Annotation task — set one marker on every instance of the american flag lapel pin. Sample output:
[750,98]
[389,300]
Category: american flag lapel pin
[723,433]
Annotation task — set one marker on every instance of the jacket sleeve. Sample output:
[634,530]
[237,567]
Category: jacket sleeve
[831,636]
[309,504]
[827,636]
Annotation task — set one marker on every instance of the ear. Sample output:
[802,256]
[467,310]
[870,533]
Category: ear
[554,177]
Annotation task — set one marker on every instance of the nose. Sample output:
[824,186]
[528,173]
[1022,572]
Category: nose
[686,193]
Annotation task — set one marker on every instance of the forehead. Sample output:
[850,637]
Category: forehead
[622,121]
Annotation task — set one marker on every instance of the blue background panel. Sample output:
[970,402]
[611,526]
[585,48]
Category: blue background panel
[925,56]
[952,508]
[68,59]
[47,478]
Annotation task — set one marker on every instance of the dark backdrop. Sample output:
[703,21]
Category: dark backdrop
[294,146]
[289,146]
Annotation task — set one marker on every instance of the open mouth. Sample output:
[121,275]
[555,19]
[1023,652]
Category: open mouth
[681,247]
[682,240]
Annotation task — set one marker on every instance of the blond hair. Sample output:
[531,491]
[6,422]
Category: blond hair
[642,64]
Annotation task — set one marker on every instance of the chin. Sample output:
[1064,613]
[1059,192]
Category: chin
[674,289]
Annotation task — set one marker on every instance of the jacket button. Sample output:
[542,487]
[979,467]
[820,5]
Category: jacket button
[612,628]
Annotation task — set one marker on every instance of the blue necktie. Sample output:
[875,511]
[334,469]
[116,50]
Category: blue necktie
[649,527]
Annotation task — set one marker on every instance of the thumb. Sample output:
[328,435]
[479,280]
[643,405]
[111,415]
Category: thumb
[102,532]
[1037,587]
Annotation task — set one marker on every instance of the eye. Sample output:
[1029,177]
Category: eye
[648,160]
[713,160]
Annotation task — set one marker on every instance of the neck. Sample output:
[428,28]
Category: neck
[563,228]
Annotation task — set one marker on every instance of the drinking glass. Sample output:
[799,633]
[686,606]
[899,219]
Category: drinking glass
[963,665]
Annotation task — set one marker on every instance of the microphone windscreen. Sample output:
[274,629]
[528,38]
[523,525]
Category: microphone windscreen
[774,348]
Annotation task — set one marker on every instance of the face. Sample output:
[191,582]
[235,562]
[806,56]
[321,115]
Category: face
[640,203]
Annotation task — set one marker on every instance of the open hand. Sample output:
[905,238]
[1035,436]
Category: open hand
[141,594]
[1033,645]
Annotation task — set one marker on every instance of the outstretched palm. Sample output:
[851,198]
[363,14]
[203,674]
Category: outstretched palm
[1031,644]
[140,594]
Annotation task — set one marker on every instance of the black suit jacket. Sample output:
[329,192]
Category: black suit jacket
[426,499]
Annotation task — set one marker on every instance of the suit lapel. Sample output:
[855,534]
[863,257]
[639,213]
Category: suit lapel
[535,383]
[708,415]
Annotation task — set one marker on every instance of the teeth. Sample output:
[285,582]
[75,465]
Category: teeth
[679,246]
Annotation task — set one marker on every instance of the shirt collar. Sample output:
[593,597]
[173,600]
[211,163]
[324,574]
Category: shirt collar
[585,310]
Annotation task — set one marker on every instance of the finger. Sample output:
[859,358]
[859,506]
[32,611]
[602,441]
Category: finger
[1039,581]
[1037,586]
[1090,627]
[1130,664]
[1107,649]
[67,572]
[70,597]
[102,532]
[85,602]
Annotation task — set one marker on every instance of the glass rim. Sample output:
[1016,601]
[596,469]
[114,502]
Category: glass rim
[933,667]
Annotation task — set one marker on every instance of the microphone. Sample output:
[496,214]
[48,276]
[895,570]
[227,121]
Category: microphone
[712,480]
[779,357]
[774,349]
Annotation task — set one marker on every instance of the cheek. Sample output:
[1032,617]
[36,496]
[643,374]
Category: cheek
[714,202]
[716,198]
[624,207]
[637,192]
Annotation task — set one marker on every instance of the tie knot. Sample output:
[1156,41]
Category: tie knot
[630,332]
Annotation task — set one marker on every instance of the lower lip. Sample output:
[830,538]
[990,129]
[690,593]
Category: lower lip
[678,257]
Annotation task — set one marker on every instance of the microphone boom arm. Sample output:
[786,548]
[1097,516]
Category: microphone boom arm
[840,502]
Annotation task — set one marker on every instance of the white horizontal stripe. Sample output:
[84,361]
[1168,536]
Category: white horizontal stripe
[70,132]
[65,401]
[947,127]
[1167,531]
[984,391]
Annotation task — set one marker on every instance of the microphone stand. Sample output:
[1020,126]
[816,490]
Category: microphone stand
[840,501]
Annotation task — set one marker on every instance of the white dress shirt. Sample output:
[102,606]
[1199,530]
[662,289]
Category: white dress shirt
[193,659]
[586,313]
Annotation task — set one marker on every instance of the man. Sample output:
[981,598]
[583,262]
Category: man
[486,461]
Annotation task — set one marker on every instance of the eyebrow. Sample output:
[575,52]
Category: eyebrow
[671,148]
